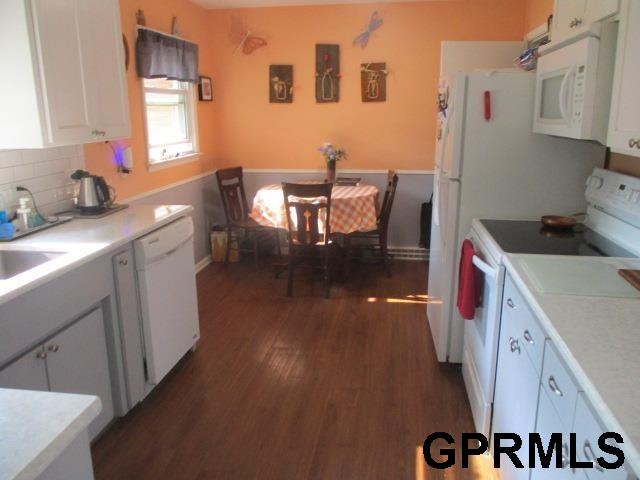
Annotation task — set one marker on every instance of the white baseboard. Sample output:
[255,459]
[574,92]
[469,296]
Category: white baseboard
[203,263]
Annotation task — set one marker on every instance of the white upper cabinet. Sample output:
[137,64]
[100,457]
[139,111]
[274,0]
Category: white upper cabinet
[624,122]
[568,19]
[64,80]
[599,9]
[58,30]
[111,103]
[574,17]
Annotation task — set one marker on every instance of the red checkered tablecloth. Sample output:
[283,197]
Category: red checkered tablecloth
[352,208]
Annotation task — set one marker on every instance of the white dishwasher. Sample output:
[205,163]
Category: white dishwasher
[169,304]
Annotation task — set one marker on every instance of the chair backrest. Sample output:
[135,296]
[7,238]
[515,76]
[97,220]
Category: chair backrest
[234,199]
[387,201]
[304,204]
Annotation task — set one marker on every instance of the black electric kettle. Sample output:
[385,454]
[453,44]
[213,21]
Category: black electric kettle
[94,193]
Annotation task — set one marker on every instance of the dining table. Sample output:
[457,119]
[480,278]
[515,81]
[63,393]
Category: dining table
[353,207]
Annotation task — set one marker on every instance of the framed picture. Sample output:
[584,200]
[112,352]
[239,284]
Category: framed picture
[205,89]
[280,83]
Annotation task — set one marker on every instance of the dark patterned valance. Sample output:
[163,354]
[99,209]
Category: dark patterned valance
[159,56]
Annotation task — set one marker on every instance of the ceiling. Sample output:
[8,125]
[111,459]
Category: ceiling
[278,3]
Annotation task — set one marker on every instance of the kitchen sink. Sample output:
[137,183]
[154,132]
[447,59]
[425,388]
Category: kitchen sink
[14,262]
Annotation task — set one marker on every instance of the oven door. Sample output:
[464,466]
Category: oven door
[480,348]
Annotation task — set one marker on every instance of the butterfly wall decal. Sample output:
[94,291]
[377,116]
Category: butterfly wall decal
[243,38]
[374,23]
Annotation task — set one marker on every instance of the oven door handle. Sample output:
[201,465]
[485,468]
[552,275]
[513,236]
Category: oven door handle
[485,267]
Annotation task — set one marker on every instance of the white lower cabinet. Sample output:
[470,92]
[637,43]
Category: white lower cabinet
[588,430]
[537,392]
[26,373]
[516,392]
[77,362]
[549,422]
[73,361]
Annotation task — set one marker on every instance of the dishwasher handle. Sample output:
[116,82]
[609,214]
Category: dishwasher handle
[168,253]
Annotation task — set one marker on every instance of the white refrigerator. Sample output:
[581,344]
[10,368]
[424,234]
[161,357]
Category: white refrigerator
[492,168]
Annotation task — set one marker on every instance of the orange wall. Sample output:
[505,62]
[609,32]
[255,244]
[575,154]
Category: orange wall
[194,26]
[241,127]
[536,13]
[398,133]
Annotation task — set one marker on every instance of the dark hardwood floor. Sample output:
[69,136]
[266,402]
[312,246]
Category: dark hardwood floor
[297,388]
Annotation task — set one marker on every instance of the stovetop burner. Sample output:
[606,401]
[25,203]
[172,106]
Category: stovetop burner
[516,236]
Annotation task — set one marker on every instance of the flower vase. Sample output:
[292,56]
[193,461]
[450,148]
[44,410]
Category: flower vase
[331,171]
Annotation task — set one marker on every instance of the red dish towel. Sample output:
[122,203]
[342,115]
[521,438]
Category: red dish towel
[468,286]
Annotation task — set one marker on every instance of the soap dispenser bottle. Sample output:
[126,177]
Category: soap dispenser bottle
[23,214]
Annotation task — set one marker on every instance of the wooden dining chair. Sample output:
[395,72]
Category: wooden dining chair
[308,208]
[381,233]
[236,212]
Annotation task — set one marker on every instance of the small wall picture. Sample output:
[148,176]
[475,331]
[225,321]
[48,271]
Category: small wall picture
[373,82]
[280,83]
[327,73]
[205,89]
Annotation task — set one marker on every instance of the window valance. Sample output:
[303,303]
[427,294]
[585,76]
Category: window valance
[159,55]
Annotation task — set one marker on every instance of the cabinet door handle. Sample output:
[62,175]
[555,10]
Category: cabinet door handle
[527,336]
[590,456]
[510,303]
[514,345]
[123,261]
[41,355]
[553,385]
[633,143]
[54,348]
[565,455]
[576,22]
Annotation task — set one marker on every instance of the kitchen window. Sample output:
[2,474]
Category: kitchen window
[170,113]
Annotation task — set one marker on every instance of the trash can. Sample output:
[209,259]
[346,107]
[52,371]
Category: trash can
[425,223]
[219,245]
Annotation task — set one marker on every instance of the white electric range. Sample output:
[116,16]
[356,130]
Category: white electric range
[611,229]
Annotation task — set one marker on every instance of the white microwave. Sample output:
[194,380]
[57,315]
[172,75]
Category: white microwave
[573,88]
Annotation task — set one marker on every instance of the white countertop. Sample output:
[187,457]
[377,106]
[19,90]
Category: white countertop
[83,240]
[599,338]
[35,427]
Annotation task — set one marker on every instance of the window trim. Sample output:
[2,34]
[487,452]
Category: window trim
[192,125]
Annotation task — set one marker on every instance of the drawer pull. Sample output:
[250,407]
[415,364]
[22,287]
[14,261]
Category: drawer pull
[54,348]
[514,345]
[553,385]
[527,336]
[591,456]
[565,455]
[510,303]
[632,142]
[41,355]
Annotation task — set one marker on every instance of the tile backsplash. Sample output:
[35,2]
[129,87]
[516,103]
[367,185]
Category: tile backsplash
[46,172]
